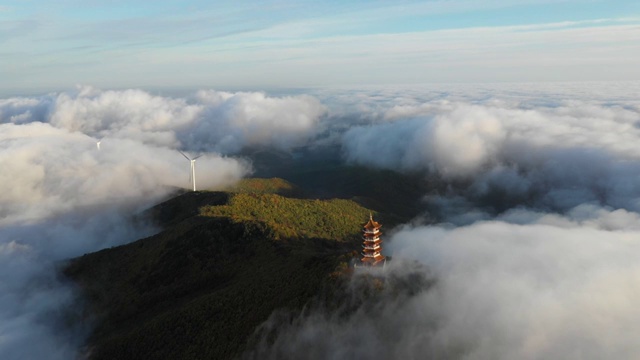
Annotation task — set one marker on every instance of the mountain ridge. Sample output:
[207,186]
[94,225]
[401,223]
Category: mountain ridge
[200,287]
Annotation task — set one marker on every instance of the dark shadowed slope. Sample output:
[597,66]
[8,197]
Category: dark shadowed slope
[324,174]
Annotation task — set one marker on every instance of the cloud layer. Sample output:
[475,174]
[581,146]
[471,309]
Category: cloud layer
[64,195]
[558,155]
[551,275]
[527,286]
[209,121]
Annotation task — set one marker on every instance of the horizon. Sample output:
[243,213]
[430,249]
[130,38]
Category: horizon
[189,91]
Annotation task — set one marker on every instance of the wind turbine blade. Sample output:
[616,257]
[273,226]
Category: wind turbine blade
[185,156]
[197,157]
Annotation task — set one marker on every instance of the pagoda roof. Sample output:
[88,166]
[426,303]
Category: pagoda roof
[372,260]
[371,224]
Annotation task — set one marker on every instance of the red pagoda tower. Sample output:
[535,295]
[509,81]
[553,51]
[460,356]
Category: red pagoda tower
[371,245]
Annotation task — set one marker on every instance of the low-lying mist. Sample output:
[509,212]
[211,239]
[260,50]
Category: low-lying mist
[526,286]
[76,167]
[533,255]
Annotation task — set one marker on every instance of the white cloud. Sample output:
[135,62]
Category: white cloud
[52,170]
[64,197]
[524,284]
[132,114]
[562,153]
[534,290]
[516,284]
[253,119]
[212,120]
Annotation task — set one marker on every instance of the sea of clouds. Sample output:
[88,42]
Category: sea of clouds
[525,285]
[554,276]
[63,195]
[551,276]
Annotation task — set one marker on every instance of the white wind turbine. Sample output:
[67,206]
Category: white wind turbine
[192,174]
[98,144]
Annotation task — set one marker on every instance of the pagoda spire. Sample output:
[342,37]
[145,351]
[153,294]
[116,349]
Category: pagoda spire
[371,243]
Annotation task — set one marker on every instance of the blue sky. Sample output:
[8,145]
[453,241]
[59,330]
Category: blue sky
[54,45]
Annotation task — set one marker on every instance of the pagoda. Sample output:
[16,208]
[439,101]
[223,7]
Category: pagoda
[371,245]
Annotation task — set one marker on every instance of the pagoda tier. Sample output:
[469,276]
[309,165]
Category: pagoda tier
[371,243]
[372,237]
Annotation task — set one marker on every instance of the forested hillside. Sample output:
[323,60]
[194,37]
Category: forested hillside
[222,264]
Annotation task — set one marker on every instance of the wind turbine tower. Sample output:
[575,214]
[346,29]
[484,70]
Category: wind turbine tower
[192,174]
[98,144]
